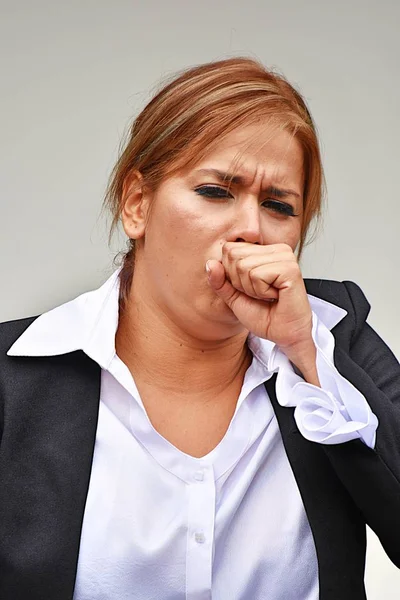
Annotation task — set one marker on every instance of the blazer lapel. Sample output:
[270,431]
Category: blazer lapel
[338,531]
[45,467]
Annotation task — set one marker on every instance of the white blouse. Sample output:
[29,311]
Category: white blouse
[162,525]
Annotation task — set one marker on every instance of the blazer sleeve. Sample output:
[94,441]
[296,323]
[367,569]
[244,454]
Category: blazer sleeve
[372,476]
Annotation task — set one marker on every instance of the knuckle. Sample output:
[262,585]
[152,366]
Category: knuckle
[230,252]
[241,266]
[253,276]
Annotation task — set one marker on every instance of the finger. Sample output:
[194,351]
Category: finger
[219,282]
[236,250]
[238,272]
[243,273]
[263,280]
[269,280]
[240,304]
[287,282]
[226,291]
[238,258]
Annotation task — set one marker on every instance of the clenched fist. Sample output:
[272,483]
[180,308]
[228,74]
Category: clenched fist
[264,288]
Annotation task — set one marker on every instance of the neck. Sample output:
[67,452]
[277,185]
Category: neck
[160,354]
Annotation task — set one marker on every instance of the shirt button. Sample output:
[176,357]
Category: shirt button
[199,476]
[199,537]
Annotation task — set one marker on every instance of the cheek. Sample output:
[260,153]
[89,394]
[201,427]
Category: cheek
[180,222]
[175,237]
[295,235]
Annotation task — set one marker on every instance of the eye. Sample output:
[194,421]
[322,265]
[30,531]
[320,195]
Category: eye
[213,191]
[280,207]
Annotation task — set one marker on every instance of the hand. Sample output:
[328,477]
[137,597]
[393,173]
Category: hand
[264,288]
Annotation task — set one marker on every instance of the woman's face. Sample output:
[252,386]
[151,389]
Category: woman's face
[193,214]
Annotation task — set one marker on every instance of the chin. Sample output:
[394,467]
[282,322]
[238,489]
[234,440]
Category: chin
[219,312]
[218,306]
[217,321]
[214,331]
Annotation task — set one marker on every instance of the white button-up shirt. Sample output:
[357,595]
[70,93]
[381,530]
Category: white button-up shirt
[162,525]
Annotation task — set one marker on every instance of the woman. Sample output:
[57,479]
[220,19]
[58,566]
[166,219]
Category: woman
[207,423]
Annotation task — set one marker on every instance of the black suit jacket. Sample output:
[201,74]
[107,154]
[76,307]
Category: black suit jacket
[48,417]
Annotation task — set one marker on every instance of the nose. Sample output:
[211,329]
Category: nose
[247,226]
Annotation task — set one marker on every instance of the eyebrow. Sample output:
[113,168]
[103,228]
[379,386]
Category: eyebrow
[240,180]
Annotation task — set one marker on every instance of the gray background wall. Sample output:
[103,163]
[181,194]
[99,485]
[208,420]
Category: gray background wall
[72,75]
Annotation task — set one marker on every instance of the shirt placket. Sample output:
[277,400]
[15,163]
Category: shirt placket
[200,539]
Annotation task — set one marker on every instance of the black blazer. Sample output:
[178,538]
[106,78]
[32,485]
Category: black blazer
[48,417]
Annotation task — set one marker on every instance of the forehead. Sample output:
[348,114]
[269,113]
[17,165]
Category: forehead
[258,151]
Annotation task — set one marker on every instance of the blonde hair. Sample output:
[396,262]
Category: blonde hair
[184,119]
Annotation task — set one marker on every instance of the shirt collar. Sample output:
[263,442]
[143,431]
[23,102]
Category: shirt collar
[90,321]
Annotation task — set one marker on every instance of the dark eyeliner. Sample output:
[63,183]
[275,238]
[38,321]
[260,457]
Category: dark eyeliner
[212,191]
[280,207]
[215,191]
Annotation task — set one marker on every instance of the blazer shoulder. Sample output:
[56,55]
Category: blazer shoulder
[10,332]
[345,294]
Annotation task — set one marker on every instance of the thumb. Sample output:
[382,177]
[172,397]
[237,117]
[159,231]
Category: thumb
[219,283]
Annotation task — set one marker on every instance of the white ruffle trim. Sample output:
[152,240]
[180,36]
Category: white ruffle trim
[332,414]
